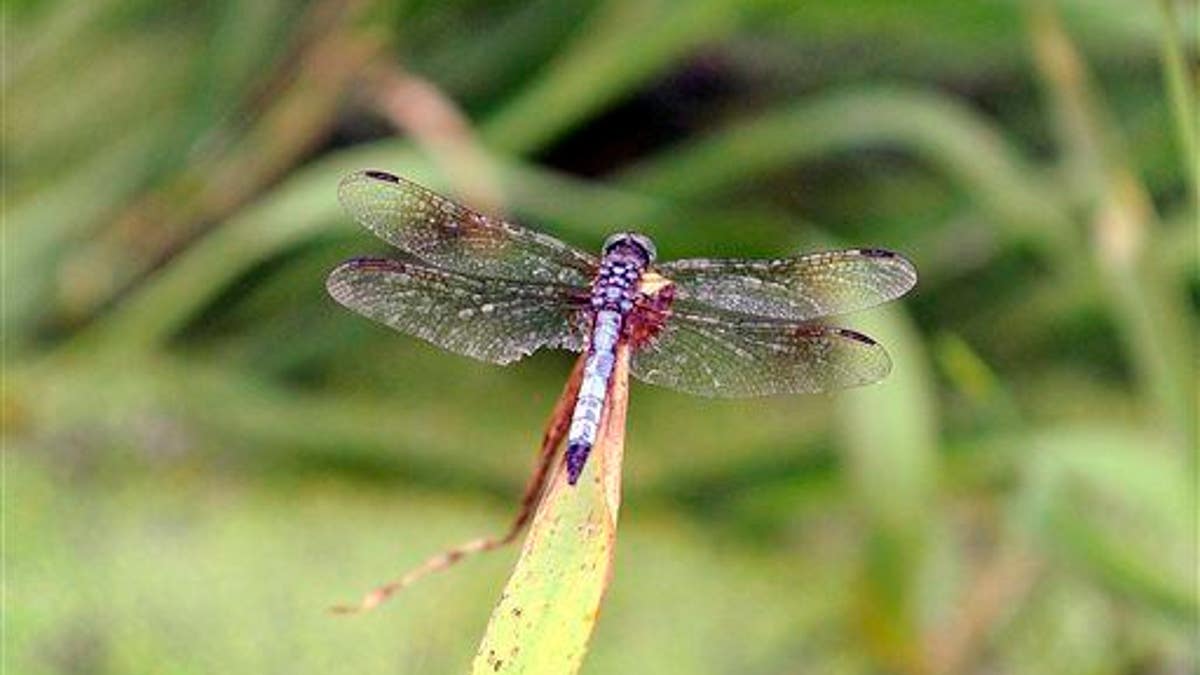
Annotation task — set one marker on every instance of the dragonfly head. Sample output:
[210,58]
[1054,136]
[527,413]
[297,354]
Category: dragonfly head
[632,240]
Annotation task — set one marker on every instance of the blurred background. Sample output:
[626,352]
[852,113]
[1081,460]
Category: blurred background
[203,452]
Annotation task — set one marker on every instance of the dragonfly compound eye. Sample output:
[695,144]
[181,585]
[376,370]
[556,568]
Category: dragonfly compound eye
[639,242]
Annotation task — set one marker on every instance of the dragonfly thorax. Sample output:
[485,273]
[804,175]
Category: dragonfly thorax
[616,281]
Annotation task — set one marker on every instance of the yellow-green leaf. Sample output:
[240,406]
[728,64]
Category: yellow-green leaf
[549,607]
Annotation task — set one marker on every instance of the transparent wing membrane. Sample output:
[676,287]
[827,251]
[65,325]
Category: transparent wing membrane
[495,291]
[488,319]
[454,237]
[707,353]
[798,289]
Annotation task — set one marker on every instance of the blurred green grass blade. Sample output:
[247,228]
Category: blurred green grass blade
[1152,314]
[398,437]
[1118,503]
[128,81]
[890,432]
[232,57]
[966,148]
[549,608]
[617,49]
[1175,249]
[946,37]
[44,38]
[41,226]
[1181,88]
[290,214]
[1134,574]
[1148,305]
[475,67]
[245,38]
[891,427]
[974,378]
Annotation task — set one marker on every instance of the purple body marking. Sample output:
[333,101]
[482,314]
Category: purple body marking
[614,292]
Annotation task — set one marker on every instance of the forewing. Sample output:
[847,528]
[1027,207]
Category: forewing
[801,288]
[452,236]
[488,319]
[708,353]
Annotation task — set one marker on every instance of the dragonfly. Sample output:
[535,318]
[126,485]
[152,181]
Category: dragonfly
[490,289]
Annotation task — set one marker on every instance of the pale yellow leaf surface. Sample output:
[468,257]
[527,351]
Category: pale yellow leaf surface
[551,603]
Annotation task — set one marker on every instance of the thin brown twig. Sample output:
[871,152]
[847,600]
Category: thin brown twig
[556,430]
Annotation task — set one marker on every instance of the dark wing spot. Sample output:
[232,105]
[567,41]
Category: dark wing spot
[381,175]
[876,253]
[375,263]
[855,335]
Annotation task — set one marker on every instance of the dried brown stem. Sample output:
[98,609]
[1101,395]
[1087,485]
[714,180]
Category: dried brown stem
[556,430]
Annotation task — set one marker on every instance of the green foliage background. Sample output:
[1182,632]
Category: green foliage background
[202,452]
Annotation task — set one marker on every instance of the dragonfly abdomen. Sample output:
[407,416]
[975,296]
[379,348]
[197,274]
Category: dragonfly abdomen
[613,292]
[585,420]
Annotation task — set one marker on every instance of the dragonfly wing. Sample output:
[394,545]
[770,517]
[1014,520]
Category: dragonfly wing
[707,353]
[800,288]
[491,320]
[449,235]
